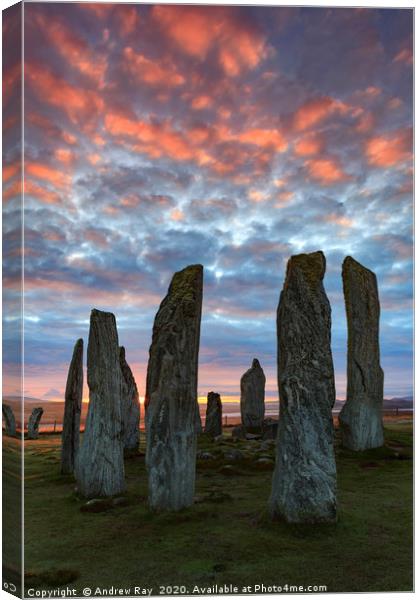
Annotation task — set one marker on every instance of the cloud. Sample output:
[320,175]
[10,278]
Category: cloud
[390,149]
[72,47]
[198,30]
[404,56]
[153,73]
[316,110]
[326,170]
[80,104]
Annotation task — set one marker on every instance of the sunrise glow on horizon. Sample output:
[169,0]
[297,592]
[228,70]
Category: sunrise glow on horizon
[158,136]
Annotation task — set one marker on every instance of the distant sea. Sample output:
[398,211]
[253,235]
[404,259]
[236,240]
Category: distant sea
[53,410]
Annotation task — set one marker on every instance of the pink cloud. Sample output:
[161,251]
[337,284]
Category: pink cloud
[405,56]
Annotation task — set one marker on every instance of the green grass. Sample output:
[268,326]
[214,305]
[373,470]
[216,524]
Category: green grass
[227,536]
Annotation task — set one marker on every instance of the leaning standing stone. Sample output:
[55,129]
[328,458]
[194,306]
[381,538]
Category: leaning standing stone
[100,460]
[72,410]
[171,393]
[361,416]
[130,405]
[252,397]
[304,480]
[9,420]
[213,424]
[33,424]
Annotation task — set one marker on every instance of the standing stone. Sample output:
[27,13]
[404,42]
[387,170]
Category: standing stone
[100,460]
[213,424]
[252,397]
[198,423]
[361,416]
[9,420]
[33,424]
[130,406]
[304,480]
[171,393]
[72,410]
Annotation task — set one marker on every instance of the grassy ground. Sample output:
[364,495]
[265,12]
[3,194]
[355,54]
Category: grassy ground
[226,537]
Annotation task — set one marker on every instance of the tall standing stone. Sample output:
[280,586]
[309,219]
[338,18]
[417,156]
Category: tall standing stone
[252,397]
[130,405]
[100,460]
[361,416]
[33,424]
[72,410]
[304,480]
[171,393]
[213,424]
[9,420]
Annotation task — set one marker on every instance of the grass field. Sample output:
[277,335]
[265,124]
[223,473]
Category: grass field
[227,536]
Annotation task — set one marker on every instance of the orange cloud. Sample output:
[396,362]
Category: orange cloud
[365,123]
[128,19]
[11,79]
[152,138]
[201,102]
[11,170]
[196,30]
[177,215]
[80,104]
[264,138]
[341,220]
[49,174]
[326,170]
[73,48]
[94,158]
[100,10]
[12,190]
[151,72]
[308,145]
[41,193]
[390,150]
[64,155]
[316,110]
[48,128]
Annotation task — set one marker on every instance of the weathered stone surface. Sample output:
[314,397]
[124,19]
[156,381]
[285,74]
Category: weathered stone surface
[130,406]
[9,420]
[238,432]
[252,397]
[304,480]
[198,423]
[72,410]
[171,393]
[33,424]
[361,416]
[100,460]
[270,429]
[213,424]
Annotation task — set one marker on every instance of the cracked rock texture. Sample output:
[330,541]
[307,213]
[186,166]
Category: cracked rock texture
[72,410]
[100,460]
[33,424]
[213,424]
[304,479]
[361,416]
[252,397]
[130,405]
[9,420]
[171,393]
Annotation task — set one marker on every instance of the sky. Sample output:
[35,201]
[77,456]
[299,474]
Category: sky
[161,136]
